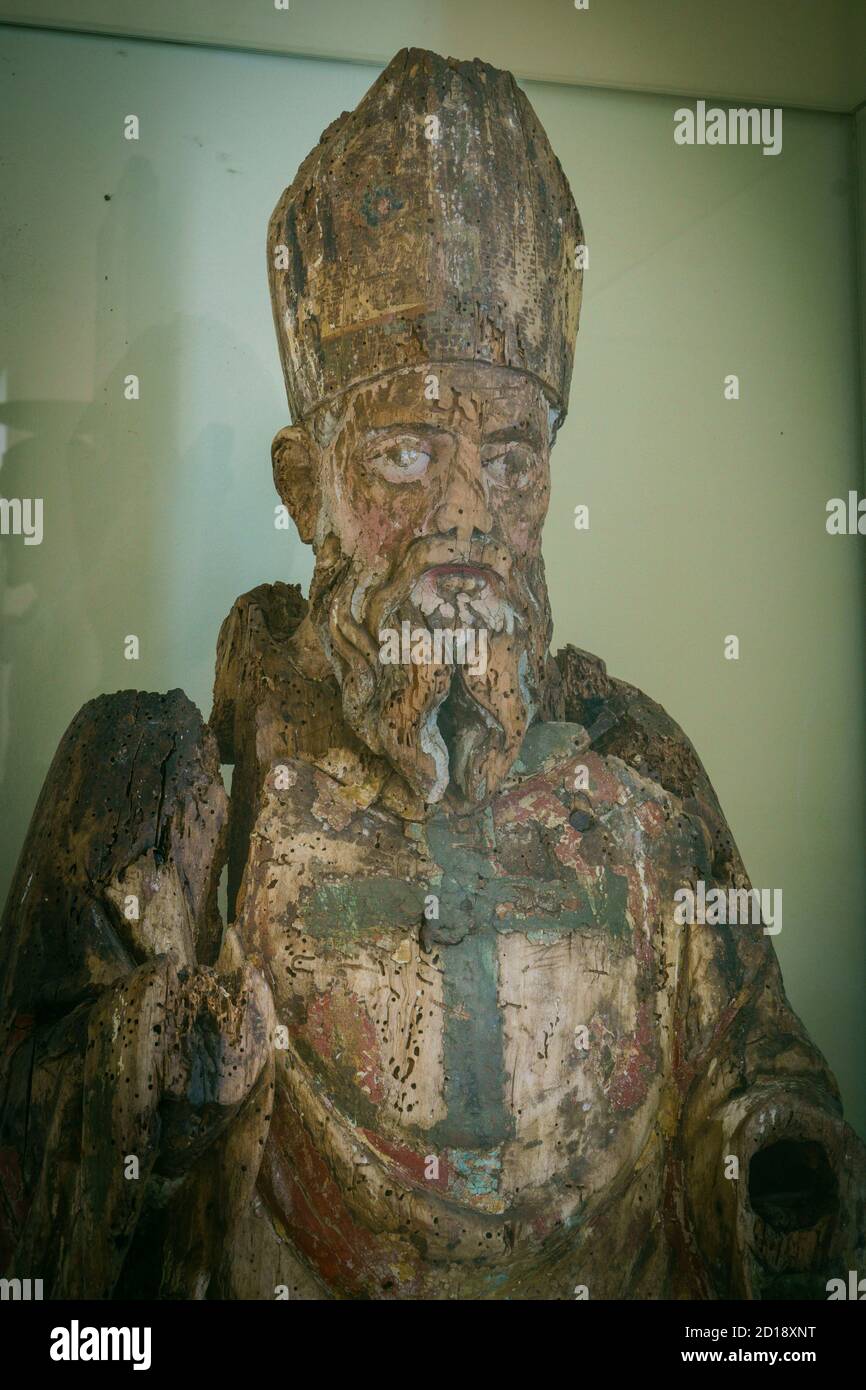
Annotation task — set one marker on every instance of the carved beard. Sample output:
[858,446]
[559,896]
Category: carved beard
[444,728]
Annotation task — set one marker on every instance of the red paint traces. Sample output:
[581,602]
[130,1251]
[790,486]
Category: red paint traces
[652,818]
[686,1261]
[409,1164]
[300,1187]
[533,802]
[685,1068]
[22,1027]
[605,787]
[567,851]
[342,1032]
[636,1064]
[543,1224]
[644,899]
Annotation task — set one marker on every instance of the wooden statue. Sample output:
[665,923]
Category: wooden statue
[458,1040]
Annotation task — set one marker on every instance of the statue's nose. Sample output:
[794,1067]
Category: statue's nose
[464,509]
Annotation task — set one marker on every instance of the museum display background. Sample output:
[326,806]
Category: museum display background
[707,516]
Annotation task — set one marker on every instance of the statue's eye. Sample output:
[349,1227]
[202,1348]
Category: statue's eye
[401,460]
[511,465]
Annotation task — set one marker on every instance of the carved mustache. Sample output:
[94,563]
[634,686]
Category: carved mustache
[354,611]
[491,561]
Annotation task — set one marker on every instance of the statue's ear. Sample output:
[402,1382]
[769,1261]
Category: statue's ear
[295,458]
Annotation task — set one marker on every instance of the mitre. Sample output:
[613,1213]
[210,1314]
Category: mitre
[431,224]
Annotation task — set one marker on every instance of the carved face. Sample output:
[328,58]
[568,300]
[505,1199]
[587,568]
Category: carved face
[429,593]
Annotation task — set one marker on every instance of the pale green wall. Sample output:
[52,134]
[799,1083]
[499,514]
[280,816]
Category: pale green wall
[860,146]
[707,517]
[784,52]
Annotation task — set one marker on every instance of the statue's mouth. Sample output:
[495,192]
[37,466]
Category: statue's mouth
[463,594]
[461,571]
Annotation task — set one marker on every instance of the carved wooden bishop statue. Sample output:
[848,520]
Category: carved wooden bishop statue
[457,1041]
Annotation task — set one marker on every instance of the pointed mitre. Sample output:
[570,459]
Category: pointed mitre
[431,224]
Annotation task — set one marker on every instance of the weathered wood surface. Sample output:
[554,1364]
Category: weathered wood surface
[712,1063]
[275,696]
[119,1039]
[454,1042]
[745,1080]
[474,216]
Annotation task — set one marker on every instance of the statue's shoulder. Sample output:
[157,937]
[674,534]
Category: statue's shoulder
[622,722]
[123,855]
[250,662]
